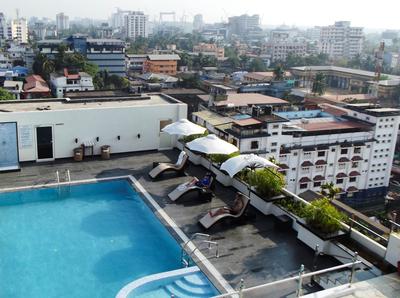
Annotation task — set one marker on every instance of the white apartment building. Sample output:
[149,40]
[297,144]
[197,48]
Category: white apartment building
[70,82]
[340,40]
[62,22]
[19,30]
[3,27]
[353,147]
[278,50]
[135,25]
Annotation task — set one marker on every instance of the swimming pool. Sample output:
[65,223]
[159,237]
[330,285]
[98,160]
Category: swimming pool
[86,240]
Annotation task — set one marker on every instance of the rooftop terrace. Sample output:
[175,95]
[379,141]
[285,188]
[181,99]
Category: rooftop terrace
[254,250]
[78,103]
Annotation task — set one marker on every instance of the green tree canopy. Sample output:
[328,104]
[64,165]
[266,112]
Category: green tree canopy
[5,95]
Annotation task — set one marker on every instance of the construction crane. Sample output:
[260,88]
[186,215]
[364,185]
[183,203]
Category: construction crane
[378,69]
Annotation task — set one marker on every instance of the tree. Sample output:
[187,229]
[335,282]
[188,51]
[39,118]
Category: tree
[5,95]
[330,190]
[257,65]
[279,73]
[244,61]
[319,85]
[47,68]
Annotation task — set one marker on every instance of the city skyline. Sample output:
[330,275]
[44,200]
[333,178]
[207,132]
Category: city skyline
[312,12]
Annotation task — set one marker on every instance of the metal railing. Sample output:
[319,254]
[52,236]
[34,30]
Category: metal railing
[184,254]
[382,240]
[242,291]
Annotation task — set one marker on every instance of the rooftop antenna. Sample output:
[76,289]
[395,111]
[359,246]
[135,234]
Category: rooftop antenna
[17,12]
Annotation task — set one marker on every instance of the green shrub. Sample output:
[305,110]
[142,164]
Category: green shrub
[187,139]
[296,207]
[268,182]
[220,158]
[323,216]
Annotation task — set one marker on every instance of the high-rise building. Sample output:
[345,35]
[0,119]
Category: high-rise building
[241,25]
[3,27]
[198,22]
[62,22]
[340,40]
[19,30]
[135,25]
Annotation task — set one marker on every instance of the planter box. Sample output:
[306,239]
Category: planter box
[310,239]
[240,186]
[180,145]
[222,178]
[205,162]
[194,158]
[260,204]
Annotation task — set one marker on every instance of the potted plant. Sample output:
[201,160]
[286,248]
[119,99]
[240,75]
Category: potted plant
[268,183]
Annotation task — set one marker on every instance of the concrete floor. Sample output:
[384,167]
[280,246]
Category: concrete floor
[253,250]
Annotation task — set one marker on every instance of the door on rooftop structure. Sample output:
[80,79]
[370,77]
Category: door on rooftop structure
[44,143]
[9,160]
[165,138]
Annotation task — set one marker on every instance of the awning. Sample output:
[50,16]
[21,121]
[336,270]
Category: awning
[343,159]
[354,174]
[341,175]
[319,178]
[320,162]
[357,158]
[307,164]
[304,180]
[352,189]
[283,166]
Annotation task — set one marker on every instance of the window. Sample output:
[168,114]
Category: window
[254,145]
[317,184]
[333,149]
[321,153]
[357,150]
[353,179]
[354,165]
[343,151]
[273,144]
[303,185]
[305,170]
[342,166]
[339,181]
[164,123]
[319,168]
[275,126]
[307,154]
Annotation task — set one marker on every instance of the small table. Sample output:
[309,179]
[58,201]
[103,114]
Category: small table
[88,145]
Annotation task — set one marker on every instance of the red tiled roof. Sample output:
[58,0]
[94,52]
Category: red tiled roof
[343,159]
[332,125]
[307,164]
[320,162]
[352,189]
[354,173]
[35,83]
[357,158]
[246,122]
[245,99]
[341,175]
[304,180]
[319,178]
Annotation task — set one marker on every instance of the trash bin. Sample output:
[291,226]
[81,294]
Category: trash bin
[105,152]
[78,154]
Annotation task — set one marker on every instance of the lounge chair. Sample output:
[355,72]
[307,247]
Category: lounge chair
[193,185]
[179,166]
[217,214]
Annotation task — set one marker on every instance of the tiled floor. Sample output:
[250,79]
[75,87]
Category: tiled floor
[254,250]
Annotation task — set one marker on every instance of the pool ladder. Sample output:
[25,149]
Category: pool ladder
[186,257]
[67,177]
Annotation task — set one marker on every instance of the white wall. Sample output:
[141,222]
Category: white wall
[105,123]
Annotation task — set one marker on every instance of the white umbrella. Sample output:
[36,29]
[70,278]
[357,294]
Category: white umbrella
[183,127]
[252,161]
[211,144]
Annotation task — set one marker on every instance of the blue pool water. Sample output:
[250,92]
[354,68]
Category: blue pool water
[88,241]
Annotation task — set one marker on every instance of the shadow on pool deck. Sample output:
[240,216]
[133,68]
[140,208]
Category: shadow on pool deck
[253,250]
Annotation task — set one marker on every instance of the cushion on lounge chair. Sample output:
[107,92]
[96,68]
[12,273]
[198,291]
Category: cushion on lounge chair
[162,167]
[208,220]
[185,188]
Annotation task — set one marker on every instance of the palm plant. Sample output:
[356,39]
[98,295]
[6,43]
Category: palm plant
[319,85]
[279,73]
[330,190]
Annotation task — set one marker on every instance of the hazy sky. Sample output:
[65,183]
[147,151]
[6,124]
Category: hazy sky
[367,13]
